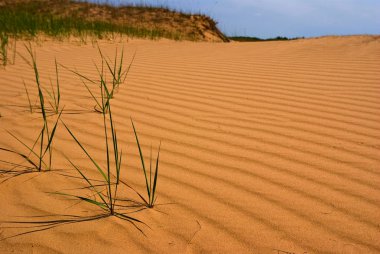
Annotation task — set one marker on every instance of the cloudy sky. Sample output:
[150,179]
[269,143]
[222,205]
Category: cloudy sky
[291,18]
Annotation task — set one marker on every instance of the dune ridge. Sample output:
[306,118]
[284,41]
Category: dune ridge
[266,147]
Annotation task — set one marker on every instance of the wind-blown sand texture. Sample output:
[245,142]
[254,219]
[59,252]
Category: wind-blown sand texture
[268,147]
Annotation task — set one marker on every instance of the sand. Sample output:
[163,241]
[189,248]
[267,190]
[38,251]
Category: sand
[269,147]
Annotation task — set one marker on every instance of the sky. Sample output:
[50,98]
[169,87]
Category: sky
[290,18]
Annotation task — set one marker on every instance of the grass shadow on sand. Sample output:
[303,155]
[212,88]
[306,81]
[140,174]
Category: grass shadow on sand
[34,224]
[102,192]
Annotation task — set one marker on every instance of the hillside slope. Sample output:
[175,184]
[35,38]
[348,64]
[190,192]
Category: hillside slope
[170,24]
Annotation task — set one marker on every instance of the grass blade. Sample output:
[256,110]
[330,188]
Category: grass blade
[91,201]
[155,177]
[142,159]
[58,90]
[29,148]
[20,154]
[125,73]
[50,139]
[88,181]
[85,151]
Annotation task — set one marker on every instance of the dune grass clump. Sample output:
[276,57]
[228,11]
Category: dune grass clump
[110,174]
[105,188]
[44,141]
[54,94]
[150,184]
[116,70]
[105,191]
[118,73]
[102,101]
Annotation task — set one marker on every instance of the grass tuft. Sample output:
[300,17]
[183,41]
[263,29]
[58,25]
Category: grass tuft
[149,184]
[111,185]
[44,141]
[105,194]
[118,74]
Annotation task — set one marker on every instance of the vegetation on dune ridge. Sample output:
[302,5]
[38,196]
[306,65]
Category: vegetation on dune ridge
[79,18]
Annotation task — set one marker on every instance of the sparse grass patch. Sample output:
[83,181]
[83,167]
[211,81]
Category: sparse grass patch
[101,101]
[5,46]
[54,94]
[150,184]
[81,19]
[118,74]
[44,141]
[4,40]
[105,191]
[110,175]
[103,105]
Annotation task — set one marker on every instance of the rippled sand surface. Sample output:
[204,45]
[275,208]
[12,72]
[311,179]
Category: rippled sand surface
[266,147]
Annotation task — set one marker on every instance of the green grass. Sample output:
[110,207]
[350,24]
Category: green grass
[44,141]
[108,199]
[105,194]
[117,72]
[4,40]
[105,191]
[150,184]
[103,100]
[25,20]
[5,46]
[54,93]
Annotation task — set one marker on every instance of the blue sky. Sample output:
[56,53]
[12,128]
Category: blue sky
[291,18]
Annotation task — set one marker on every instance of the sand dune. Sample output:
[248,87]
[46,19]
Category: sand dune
[269,147]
